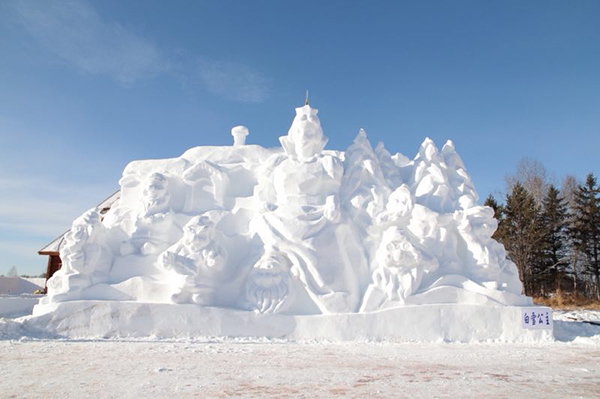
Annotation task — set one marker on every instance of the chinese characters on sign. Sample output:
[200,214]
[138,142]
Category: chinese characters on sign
[536,318]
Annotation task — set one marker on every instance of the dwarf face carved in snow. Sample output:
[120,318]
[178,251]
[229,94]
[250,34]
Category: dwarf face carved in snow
[80,248]
[396,251]
[156,194]
[267,285]
[199,253]
[400,267]
[86,257]
[200,258]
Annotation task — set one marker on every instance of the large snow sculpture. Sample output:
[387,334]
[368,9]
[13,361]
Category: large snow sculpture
[291,231]
[299,212]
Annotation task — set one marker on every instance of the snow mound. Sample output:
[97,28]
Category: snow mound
[291,231]
[17,286]
[577,326]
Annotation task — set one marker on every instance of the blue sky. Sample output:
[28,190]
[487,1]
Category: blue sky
[88,86]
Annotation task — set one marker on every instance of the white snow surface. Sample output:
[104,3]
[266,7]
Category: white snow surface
[217,367]
[258,369]
[293,231]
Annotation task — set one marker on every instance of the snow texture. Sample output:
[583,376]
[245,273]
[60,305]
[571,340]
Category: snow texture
[259,369]
[293,231]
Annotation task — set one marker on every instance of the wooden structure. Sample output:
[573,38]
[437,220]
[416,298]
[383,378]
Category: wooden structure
[52,250]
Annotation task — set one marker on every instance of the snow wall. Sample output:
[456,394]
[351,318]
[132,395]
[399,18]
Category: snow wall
[297,242]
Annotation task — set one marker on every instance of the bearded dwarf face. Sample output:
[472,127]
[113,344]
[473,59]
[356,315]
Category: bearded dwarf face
[156,195]
[267,285]
[399,265]
[396,251]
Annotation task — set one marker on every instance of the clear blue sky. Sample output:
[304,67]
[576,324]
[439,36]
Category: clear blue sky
[87,86]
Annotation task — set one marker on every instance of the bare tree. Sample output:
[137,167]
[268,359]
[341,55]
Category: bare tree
[569,193]
[12,272]
[533,177]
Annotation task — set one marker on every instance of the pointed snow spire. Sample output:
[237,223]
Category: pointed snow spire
[464,190]
[429,151]
[391,172]
[451,157]
[360,147]
[364,188]
[361,137]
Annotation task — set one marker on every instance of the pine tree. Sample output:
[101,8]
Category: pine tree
[553,224]
[498,215]
[585,229]
[522,235]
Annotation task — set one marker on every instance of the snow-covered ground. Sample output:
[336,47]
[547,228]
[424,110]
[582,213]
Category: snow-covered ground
[109,369]
[34,366]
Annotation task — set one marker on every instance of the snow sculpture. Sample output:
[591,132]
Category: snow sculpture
[267,285]
[299,212]
[86,257]
[239,134]
[199,257]
[291,231]
[155,224]
[364,189]
[207,183]
[487,262]
[400,266]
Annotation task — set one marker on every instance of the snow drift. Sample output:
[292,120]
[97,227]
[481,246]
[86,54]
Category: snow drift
[18,285]
[293,233]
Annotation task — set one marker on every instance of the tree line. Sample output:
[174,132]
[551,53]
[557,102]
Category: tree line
[551,234]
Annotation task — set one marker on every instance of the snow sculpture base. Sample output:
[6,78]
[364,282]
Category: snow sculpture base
[419,323]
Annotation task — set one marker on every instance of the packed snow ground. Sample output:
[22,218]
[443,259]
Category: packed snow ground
[32,366]
[109,369]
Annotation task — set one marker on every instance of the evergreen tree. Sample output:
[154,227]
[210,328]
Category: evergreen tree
[585,229]
[553,224]
[498,215]
[522,235]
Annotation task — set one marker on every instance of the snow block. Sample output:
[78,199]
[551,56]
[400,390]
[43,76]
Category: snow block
[419,323]
[11,306]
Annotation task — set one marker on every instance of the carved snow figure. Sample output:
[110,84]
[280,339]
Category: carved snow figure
[400,268]
[298,195]
[200,259]
[86,257]
[399,206]
[485,259]
[402,258]
[155,227]
[268,283]
[156,195]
